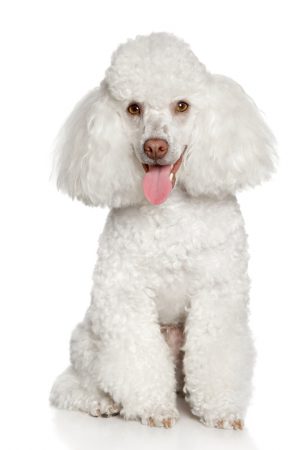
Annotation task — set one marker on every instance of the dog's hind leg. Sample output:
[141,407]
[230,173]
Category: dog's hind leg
[69,393]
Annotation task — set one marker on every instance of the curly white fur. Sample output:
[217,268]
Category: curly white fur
[182,262]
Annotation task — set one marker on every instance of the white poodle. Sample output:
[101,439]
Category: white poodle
[166,145]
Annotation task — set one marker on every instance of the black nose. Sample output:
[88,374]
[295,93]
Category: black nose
[156,148]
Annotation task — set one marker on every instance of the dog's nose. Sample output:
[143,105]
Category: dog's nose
[156,148]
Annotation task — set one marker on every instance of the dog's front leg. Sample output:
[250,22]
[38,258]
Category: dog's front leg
[134,364]
[219,355]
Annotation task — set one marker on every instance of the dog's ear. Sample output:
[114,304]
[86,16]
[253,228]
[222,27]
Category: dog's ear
[232,147]
[93,160]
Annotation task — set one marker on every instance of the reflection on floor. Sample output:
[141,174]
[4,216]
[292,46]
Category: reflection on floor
[79,431]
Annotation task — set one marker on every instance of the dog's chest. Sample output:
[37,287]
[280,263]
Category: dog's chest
[164,245]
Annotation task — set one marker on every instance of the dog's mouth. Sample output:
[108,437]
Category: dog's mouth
[160,180]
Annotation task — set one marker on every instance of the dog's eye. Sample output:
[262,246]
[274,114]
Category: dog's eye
[181,106]
[134,109]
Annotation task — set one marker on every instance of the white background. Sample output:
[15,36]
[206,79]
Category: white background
[51,54]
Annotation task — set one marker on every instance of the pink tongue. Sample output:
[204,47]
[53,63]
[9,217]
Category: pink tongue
[157,185]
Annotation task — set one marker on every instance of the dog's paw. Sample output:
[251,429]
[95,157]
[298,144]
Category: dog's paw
[231,422]
[104,407]
[164,419]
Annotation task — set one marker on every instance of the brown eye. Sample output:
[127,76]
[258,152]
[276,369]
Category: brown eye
[134,109]
[182,106]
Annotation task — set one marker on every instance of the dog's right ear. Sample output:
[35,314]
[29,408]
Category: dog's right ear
[94,161]
[233,148]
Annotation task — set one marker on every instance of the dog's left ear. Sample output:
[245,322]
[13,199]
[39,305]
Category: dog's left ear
[94,159]
[232,147]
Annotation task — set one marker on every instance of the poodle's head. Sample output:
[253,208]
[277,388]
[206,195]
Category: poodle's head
[159,121]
